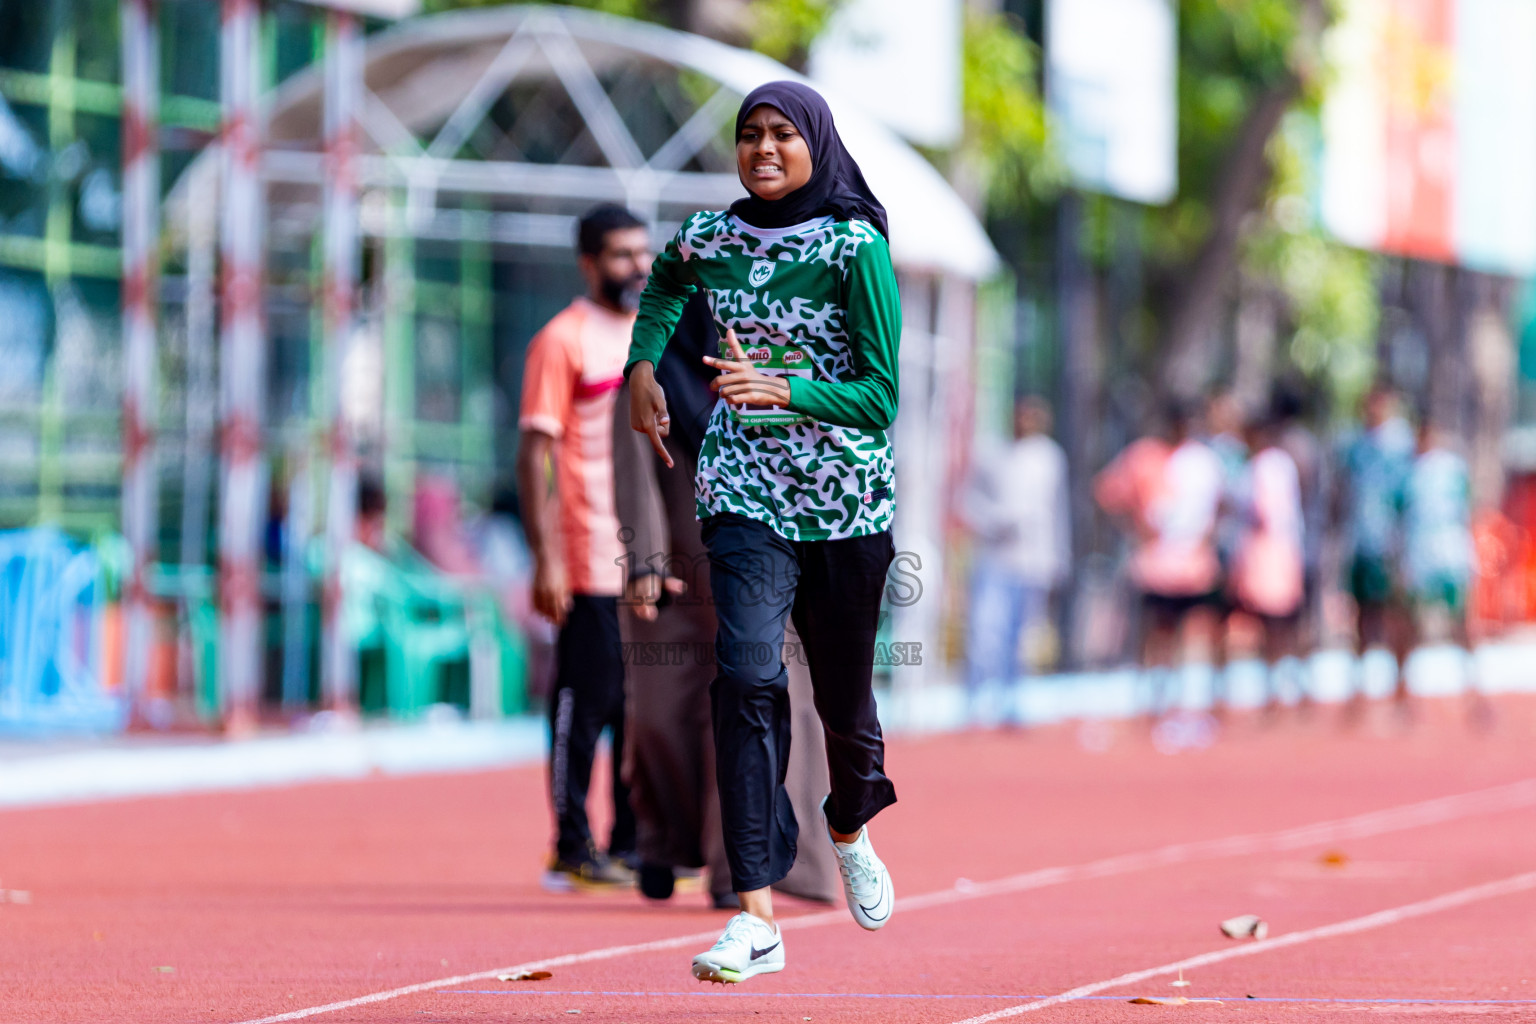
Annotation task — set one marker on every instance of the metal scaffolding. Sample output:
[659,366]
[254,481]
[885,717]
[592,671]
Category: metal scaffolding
[243,496]
[140,290]
[343,88]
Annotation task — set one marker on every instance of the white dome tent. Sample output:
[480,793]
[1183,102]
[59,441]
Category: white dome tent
[433,81]
[491,130]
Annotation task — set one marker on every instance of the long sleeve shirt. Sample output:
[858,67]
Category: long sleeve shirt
[1017,503]
[816,303]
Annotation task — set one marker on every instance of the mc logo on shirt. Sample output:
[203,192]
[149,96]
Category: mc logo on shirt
[762,270]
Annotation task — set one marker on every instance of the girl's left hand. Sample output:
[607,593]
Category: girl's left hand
[741,383]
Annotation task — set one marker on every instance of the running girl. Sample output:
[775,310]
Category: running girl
[794,489]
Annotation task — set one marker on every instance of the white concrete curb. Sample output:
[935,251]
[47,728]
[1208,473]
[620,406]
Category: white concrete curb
[124,769]
[129,769]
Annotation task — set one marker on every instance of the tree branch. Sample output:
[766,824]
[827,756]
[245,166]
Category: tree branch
[1195,305]
[1196,300]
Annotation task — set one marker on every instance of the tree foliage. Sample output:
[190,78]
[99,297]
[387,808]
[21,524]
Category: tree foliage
[1006,144]
[1330,291]
[783,29]
[1233,56]
[1238,61]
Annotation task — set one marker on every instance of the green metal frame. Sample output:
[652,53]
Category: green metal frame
[58,257]
[476,349]
[74,478]
[60,474]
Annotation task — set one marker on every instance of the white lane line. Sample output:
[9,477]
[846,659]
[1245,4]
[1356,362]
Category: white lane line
[1430,812]
[1380,919]
[1513,796]
[533,965]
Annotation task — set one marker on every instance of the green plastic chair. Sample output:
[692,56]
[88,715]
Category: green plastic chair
[409,624]
[425,624]
[203,626]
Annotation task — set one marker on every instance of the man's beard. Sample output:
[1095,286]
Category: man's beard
[624,292]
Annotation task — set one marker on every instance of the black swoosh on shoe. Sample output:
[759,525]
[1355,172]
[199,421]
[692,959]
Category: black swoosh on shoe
[870,911]
[756,953]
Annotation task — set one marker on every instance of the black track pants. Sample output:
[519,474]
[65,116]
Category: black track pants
[831,590]
[588,696]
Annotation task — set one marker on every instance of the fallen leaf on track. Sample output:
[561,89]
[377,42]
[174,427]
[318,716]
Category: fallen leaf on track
[527,976]
[1173,1001]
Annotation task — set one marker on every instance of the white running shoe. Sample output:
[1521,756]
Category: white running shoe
[866,883]
[748,947]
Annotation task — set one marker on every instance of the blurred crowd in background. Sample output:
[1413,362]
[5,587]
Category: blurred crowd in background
[1242,534]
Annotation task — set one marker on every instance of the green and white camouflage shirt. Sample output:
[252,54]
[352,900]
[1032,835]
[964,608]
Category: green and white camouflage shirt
[817,303]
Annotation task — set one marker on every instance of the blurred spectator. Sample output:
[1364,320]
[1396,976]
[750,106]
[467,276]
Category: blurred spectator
[1225,435]
[1267,580]
[1376,467]
[669,748]
[570,381]
[438,531]
[1016,505]
[669,631]
[274,534]
[370,511]
[1306,451]
[1166,492]
[1438,532]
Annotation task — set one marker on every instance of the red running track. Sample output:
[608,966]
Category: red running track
[244,906]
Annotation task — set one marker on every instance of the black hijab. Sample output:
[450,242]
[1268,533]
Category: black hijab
[836,187]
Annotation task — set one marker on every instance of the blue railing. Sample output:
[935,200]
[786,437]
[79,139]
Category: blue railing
[51,601]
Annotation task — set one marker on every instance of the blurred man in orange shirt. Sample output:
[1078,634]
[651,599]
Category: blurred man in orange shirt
[571,379]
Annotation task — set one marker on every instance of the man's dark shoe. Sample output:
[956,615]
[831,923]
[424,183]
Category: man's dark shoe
[657,881]
[592,875]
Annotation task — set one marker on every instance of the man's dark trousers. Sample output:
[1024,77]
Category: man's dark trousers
[831,589]
[588,696]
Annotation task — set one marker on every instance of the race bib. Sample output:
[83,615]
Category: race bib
[772,361]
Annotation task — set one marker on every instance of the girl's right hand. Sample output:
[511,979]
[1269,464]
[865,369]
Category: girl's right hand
[648,408]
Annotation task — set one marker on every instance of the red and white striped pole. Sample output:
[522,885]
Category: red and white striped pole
[343,88]
[141,274]
[243,505]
